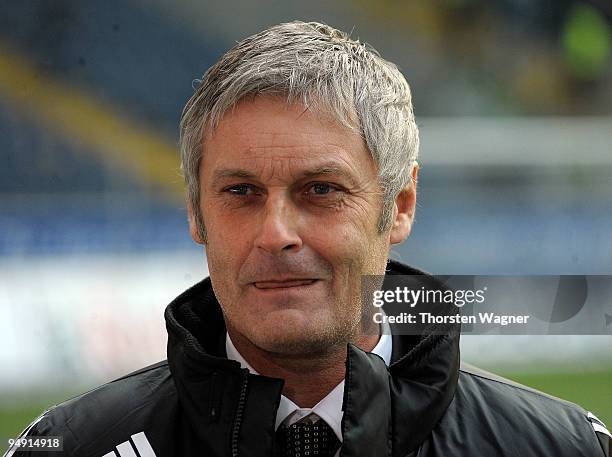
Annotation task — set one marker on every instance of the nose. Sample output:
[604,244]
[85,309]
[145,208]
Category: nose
[278,226]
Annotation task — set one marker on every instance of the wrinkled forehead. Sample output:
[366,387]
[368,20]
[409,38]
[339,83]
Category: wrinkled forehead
[273,119]
[340,112]
[267,135]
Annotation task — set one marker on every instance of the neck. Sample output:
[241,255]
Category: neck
[308,377]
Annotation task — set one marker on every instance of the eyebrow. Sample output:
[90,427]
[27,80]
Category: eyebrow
[322,170]
[232,173]
[329,170]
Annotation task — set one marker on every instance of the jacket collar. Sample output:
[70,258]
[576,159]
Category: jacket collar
[233,412]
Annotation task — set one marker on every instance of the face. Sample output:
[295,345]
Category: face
[291,202]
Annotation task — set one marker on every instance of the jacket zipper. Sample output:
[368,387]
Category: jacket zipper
[239,412]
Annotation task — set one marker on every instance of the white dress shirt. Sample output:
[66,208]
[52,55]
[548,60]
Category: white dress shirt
[330,407]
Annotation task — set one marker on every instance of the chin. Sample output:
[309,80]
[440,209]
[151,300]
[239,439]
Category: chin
[290,339]
[289,345]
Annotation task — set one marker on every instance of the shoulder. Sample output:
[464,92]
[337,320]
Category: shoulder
[521,420]
[100,419]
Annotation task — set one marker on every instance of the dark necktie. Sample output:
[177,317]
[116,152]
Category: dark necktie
[306,439]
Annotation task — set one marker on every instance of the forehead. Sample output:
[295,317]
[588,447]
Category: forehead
[264,131]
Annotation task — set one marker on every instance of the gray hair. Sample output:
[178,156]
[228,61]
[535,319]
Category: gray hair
[324,69]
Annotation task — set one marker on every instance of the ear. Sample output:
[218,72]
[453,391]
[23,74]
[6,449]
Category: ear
[405,206]
[193,226]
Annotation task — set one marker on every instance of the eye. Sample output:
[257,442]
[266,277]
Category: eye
[321,188]
[240,189]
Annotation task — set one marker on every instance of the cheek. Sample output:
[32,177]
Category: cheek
[359,251]
[226,250]
[225,254]
[222,227]
[346,247]
[347,233]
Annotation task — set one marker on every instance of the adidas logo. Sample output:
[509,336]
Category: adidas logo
[137,446]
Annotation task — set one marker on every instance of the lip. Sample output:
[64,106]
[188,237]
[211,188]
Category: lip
[284,284]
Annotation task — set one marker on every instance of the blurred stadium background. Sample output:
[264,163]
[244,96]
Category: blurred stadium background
[513,98]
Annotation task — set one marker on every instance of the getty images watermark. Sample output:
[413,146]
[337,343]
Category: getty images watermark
[513,305]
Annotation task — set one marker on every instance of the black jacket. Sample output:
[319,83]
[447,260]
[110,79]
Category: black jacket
[198,403]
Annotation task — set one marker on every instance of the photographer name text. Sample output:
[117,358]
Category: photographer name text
[429,318]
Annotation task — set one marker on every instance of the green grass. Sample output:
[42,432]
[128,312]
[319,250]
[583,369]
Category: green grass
[17,415]
[591,390]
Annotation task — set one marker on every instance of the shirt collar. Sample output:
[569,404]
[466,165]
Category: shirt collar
[330,407]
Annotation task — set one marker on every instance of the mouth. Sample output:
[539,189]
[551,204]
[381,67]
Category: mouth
[286,284]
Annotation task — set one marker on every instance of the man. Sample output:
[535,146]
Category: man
[299,151]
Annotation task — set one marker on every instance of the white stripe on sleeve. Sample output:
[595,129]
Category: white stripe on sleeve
[126,450]
[142,445]
[601,429]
